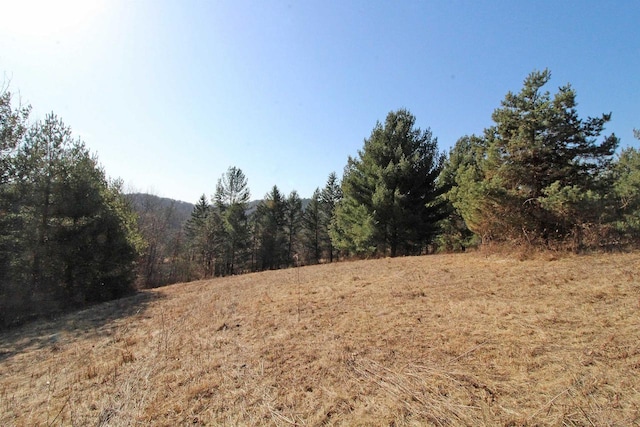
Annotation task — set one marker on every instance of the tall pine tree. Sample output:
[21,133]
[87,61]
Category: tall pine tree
[200,238]
[312,229]
[390,204]
[270,237]
[231,198]
[293,224]
[329,198]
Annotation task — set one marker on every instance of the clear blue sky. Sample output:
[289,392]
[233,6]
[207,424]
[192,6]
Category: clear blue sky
[169,94]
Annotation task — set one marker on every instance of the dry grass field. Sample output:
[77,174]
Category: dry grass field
[447,340]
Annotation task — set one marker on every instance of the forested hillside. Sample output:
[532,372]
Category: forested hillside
[176,211]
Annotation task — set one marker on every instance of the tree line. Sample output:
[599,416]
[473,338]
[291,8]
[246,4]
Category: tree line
[538,176]
[229,234]
[224,236]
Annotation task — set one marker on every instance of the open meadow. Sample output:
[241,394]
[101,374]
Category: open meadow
[444,340]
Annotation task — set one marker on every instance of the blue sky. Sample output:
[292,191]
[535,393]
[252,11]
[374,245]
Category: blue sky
[169,94]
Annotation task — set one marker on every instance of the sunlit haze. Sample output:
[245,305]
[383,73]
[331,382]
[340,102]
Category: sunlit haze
[170,94]
[35,21]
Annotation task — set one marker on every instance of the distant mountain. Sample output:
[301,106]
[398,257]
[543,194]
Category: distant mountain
[177,212]
[180,212]
[164,201]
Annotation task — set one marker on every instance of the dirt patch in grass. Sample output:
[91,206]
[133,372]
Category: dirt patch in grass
[439,340]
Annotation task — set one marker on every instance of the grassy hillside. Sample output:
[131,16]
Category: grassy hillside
[437,340]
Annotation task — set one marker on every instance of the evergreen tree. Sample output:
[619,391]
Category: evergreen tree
[269,228]
[199,242]
[312,229]
[13,253]
[538,172]
[329,198]
[231,198]
[454,233]
[390,192]
[114,243]
[353,228]
[195,224]
[71,236]
[626,178]
[232,188]
[40,168]
[13,126]
[293,223]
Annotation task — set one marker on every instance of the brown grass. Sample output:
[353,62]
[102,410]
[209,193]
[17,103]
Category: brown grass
[439,340]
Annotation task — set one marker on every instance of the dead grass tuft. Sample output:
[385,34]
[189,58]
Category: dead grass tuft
[473,339]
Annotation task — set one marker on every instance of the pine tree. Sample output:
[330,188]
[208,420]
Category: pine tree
[13,126]
[231,198]
[312,229]
[195,224]
[329,198]
[196,231]
[269,228]
[13,253]
[454,232]
[390,191]
[40,167]
[538,172]
[353,228]
[626,188]
[293,223]
[72,237]
[232,188]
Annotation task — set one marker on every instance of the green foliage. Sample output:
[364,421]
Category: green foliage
[626,177]
[454,234]
[329,199]
[232,188]
[293,223]
[195,224]
[458,174]
[113,242]
[14,259]
[270,236]
[13,126]
[201,233]
[218,237]
[317,220]
[390,192]
[538,174]
[231,198]
[68,237]
[312,230]
[353,228]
